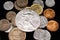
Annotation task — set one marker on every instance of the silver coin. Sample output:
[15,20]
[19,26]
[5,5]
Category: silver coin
[7,31]
[43,22]
[8,5]
[41,34]
[50,3]
[27,20]
[39,2]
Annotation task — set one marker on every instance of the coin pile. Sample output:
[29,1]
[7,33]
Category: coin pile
[29,19]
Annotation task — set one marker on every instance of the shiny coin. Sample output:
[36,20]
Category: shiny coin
[7,31]
[4,25]
[39,2]
[50,3]
[49,13]
[22,3]
[52,25]
[43,22]
[16,34]
[27,20]
[17,7]
[8,5]
[37,8]
[10,15]
[41,34]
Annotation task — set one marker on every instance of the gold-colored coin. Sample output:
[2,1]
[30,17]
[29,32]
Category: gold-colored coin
[49,13]
[17,7]
[52,25]
[16,34]
[22,3]
[37,8]
[10,15]
[4,25]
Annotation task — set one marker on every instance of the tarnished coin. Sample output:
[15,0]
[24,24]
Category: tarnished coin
[50,3]
[49,13]
[39,2]
[4,25]
[16,34]
[7,31]
[27,20]
[8,5]
[52,26]
[17,7]
[43,22]
[10,15]
[37,8]
[22,3]
[41,34]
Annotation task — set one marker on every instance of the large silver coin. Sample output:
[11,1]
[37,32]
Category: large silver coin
[39,2]
[27,20]
[43,22]
[50,3]
[41,34]
[8,5]
[7,31]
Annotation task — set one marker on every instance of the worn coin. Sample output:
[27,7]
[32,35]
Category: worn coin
[52,25]
[10,15]
[16,34]
[22,3]
[4,25]
[50,3]
[8,5]
[37,8]
[27,20]
[41,34]
[43,22]
[49,13]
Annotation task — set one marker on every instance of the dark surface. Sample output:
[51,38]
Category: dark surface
[55,35]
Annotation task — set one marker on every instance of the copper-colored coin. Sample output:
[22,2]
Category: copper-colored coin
[17,7]
[49,13]
[52,25]
[22,3]
[10,15]
[16,34]
[4,25]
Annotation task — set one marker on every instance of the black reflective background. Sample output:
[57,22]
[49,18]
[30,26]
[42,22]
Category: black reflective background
[54,35]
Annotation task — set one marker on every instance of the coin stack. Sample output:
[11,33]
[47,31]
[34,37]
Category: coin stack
[29,19]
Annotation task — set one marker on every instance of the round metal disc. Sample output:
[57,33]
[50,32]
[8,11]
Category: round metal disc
[27,20]
[8,5]
[16,34]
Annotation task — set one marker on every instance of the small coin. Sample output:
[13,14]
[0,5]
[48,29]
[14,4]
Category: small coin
[50,3]
[17,34]
[7,31]
[49,13]
[10,15]
[27,20]
[52,25]
[41,34]
[43,22]
[22,3]
[17,7]
[8,5]
[39,2]
[4,25]
[37,8]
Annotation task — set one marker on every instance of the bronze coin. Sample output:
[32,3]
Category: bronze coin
[16,34]
[10,15]
[52,25]
[22,3]
[49,13]
[4,25]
